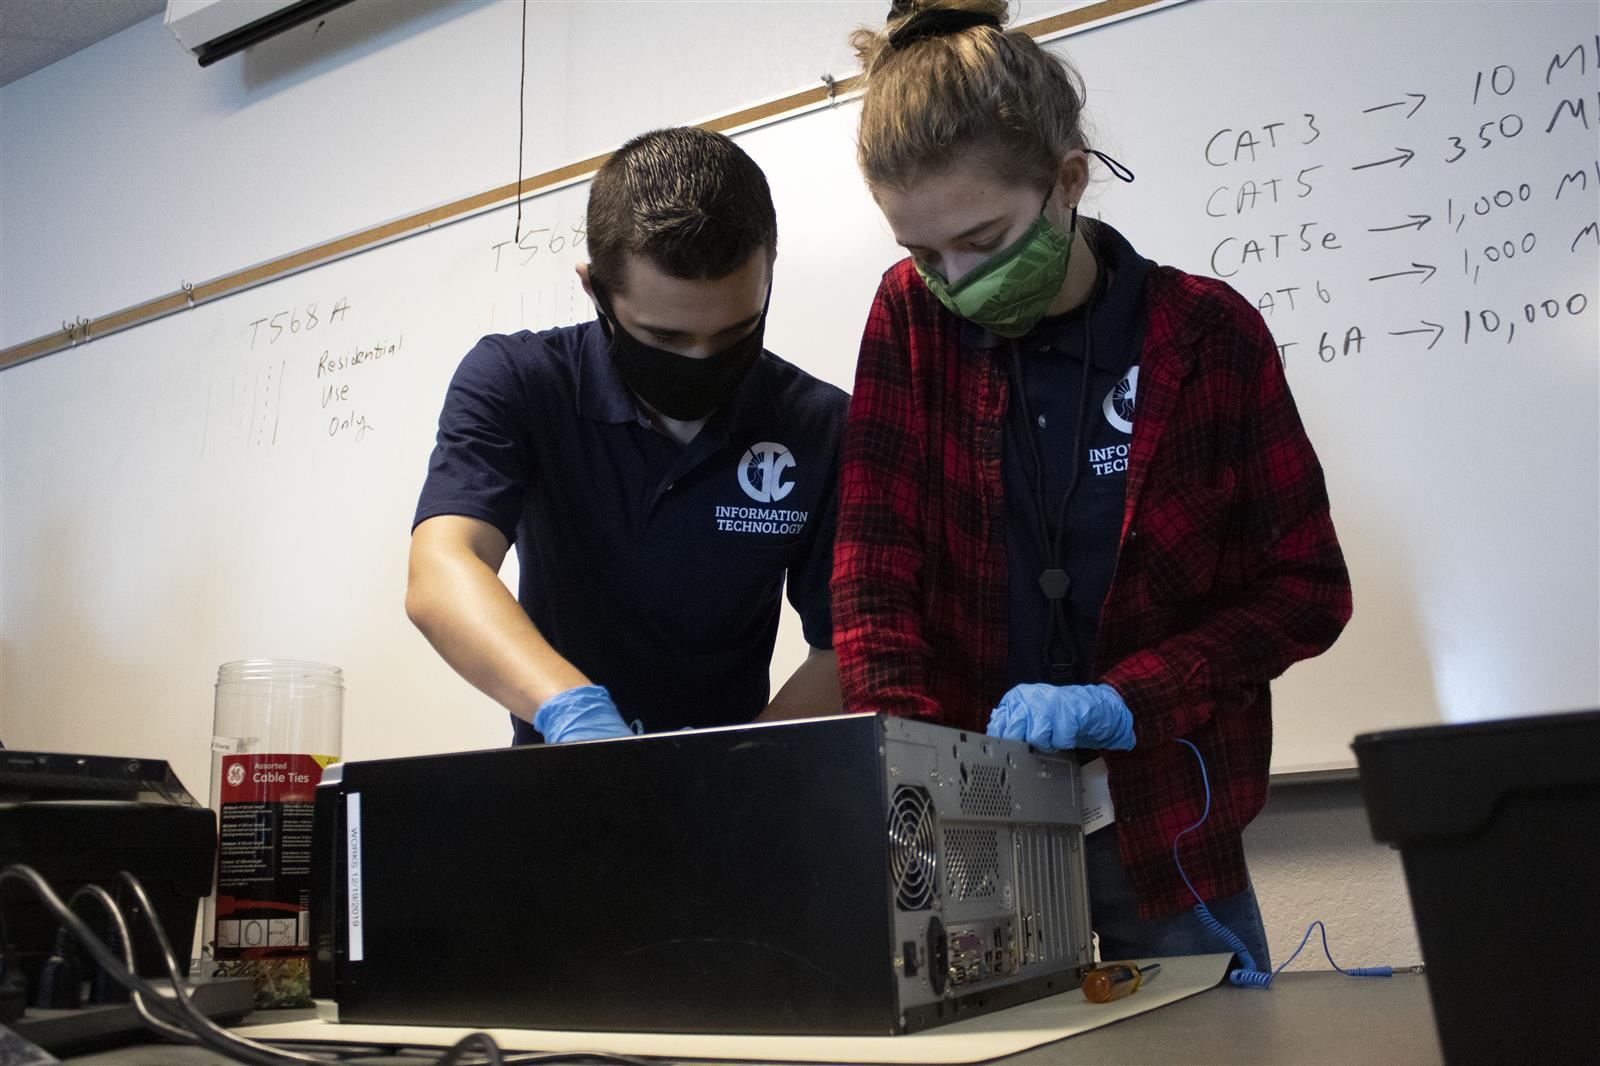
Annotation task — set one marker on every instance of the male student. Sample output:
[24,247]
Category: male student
[659,472]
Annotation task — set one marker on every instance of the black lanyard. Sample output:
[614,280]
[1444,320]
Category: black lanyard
[1057,654]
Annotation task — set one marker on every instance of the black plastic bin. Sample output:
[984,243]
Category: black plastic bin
[1498,827]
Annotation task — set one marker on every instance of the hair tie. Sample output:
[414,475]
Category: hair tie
[938,22]
[1116,168]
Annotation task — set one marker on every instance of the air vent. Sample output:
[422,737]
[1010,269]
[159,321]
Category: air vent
[972,863]
[985,790]
[913,848]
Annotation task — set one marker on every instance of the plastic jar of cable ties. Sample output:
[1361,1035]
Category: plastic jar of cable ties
[277,726]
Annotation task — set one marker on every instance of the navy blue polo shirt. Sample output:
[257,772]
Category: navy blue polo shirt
[1052,359]
[655,568]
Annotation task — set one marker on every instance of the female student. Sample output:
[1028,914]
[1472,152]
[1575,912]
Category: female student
[1077,504]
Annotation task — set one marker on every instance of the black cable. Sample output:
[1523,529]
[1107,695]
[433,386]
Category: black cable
[522,124]
[471,1042]
[1019,386]
[207,1032]
[148,1016]
[108,961]
[1058,618]
[451,1055]
[1053,541]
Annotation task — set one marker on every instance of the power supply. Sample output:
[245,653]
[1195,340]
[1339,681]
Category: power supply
[848,875]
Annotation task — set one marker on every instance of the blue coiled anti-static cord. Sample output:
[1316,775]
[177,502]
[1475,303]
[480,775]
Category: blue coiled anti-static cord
[1249,976]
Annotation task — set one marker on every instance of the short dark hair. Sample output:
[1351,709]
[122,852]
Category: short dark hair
[689,200]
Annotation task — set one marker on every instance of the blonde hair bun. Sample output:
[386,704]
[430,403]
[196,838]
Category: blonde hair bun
[932,97]
[871,44]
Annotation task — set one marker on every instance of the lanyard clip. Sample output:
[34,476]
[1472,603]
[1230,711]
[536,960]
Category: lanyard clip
[1054,584]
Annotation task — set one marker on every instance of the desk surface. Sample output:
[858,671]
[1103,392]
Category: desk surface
[1304,1018]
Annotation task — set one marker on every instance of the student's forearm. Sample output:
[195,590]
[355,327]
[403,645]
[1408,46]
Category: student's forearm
[478,627]
[812,691]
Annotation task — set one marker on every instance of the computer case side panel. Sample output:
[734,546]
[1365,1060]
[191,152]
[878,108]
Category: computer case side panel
[724,880]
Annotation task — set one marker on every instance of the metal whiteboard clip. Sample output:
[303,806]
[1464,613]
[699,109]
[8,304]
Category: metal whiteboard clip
[71,330]
[188,292]
[833,88]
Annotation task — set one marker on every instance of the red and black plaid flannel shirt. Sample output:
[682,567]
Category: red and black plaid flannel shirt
[1228,570]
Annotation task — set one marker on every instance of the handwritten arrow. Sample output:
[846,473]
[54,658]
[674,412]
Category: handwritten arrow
[1421,99]
[1417,220]
[1405,156]
[1438,331]
[1422,268]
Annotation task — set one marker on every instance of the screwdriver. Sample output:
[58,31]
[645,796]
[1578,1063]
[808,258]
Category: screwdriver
[1115,980]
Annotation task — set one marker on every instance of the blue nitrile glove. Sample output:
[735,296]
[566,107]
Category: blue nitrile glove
[1058,717]
[582,713]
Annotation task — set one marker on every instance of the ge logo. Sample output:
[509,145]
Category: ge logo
[235,775]
[761,472]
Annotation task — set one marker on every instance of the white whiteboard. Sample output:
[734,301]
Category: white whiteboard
[188,492]
[1465,477]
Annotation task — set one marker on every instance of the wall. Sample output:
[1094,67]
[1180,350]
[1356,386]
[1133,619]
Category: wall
[126,169]
[1312,856]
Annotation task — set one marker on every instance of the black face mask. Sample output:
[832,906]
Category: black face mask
[676,385]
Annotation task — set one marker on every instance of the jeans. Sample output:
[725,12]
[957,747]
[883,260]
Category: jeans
[1114,914]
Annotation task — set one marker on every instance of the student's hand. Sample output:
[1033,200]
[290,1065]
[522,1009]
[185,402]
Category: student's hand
[582,713]
[1058,717]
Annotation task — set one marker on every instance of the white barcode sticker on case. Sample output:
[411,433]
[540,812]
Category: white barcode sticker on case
[1095,789]
[355,947]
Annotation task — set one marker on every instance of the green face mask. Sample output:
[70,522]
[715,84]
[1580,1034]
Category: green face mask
[1011,292]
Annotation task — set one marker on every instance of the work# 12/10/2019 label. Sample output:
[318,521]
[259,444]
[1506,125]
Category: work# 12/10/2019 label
[264,854]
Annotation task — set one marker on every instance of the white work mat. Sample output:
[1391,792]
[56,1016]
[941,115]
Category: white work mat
[988,1036]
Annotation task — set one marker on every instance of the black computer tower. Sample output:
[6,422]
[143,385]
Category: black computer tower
[857,874]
